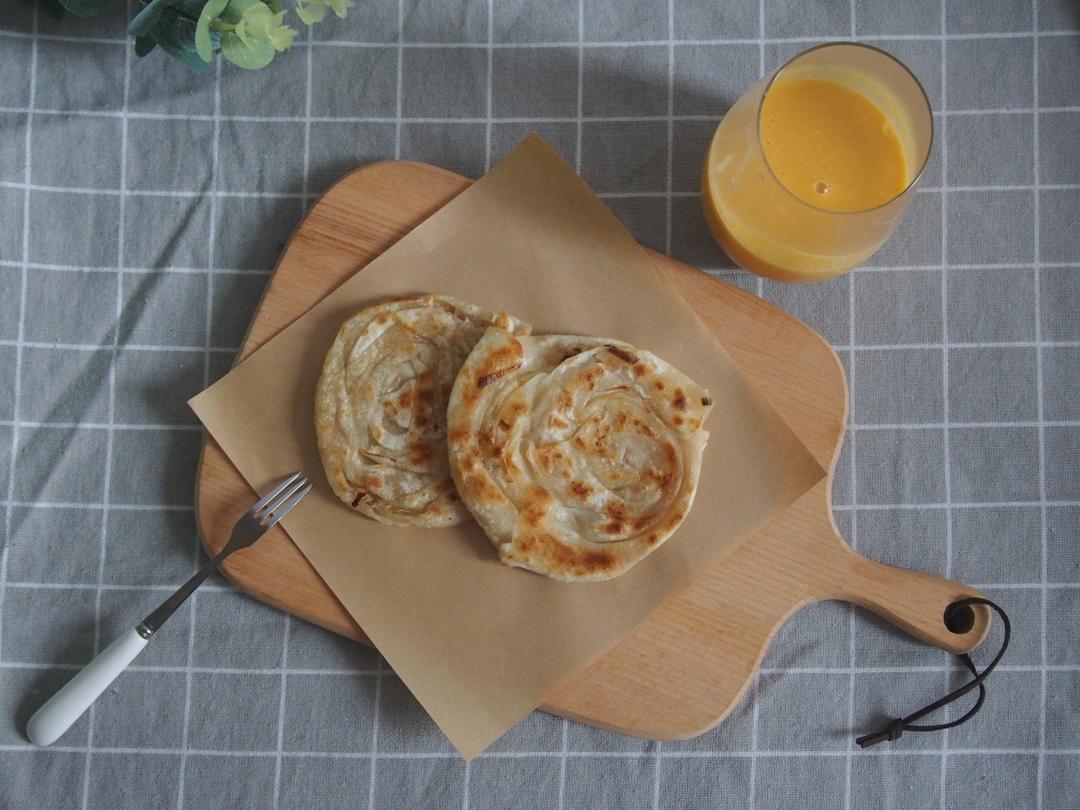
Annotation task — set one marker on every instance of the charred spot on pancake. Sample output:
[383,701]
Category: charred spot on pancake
[622,354]
[581,489]
[540,494]
[679,400]
[615,509]
[359,497]
[488,379]
[420,451]
[706,401]
[533,514]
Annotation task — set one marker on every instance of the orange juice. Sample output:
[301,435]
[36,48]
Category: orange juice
[831,146]
[810,171]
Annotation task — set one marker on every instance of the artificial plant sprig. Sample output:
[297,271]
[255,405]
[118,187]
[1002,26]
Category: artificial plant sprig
[248,33]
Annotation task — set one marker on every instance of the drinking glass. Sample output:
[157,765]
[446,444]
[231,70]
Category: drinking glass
[762,225]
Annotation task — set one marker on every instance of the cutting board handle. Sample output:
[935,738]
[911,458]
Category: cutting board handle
[913,601]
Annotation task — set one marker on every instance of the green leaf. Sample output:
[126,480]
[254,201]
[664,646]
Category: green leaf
[175,33]
[52,8]
[236,8]
[258,55]
[341,7]
[311,14]
[143,45]
[204,45]
[314,11]
[142,22]
[85,8]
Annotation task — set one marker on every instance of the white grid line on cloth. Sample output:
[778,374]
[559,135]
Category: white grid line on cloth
[1015,344]
[375,732]
[561,803]
[854,538]
[309,196]
[670,127]
[196,545]
[19,584]
[840,347]
[554,119]
[864,507]
[490,82]
[135,347]
[729,271]
[861,670]
[110,414]
[89,268]
[580,115]
[191,194]
[1043,551]
[873,507]
[964,425]
[490,57]
[563,753]
[346,43]
[130,507]
[756,682]
[287,623]
[626,755]
[399,104]
[658,750]
[21,329]
[946,711]
[209,670]
[891,268]
[836,347]
[114,426]
[399,118]
[280,741]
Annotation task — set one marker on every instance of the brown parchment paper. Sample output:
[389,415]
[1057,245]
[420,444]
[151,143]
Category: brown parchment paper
[481,645]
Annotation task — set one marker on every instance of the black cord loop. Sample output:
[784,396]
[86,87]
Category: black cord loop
[897,727]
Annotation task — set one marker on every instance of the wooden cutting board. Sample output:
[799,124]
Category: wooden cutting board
[686,667]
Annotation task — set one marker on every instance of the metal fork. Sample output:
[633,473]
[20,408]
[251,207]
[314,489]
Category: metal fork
[65,707]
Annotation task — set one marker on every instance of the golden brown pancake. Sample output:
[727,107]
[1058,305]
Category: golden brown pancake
[577,456]
[380,407]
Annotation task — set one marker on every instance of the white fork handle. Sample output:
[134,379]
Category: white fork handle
[65,707]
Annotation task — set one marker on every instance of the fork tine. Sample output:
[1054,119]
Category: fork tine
[282,509]
[275,492]
[280,498]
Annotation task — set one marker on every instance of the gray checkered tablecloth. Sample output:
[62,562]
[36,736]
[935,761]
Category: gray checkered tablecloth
[142,207]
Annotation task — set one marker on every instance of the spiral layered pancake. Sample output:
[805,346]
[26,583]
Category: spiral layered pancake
[577,456]
[380,407]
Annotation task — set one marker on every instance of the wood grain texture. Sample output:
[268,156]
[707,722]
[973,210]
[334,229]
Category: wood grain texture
[684,669]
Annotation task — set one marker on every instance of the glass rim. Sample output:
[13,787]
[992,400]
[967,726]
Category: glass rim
[930,116]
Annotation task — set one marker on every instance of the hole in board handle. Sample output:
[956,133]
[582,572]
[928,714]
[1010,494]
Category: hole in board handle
[959,618]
